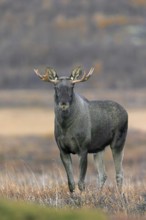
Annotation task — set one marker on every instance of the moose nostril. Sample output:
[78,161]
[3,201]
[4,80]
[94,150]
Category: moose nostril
[64,105]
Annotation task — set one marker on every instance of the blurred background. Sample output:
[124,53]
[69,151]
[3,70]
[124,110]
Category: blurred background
[111,36]
[108,35]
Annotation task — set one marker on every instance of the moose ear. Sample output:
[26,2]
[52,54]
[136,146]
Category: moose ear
[51,73]
[76,73]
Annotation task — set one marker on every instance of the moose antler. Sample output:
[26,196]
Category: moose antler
[85,76]
[49,76]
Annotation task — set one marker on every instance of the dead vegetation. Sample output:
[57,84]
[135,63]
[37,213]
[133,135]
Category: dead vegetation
[50,191]
[104,21]
[31,169]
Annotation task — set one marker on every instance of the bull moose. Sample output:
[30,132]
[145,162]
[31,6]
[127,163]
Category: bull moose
[83,126]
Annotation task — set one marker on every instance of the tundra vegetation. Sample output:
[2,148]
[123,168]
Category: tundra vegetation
[31,169]
[112,37]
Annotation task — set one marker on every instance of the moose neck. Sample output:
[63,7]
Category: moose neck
[65,119]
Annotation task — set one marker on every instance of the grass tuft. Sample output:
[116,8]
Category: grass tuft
[54,194]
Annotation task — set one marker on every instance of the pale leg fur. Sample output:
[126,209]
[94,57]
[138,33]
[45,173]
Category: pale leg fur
[99,163]
[118,158]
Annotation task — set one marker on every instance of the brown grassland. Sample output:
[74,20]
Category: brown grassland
[110,37]
[31,169]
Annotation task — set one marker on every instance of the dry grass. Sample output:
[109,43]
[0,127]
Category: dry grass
[101,21]
[40,121]
[26,121]
[52,192]
[31,169]
[105,21]
[137,118]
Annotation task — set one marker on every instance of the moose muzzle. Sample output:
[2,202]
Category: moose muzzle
[64,106]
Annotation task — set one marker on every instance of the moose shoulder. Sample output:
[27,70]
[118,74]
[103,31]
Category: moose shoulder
[83,127]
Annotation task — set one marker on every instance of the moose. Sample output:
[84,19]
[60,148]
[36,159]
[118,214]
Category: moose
[83,126]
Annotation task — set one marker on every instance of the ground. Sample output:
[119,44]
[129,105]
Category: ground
[31,169]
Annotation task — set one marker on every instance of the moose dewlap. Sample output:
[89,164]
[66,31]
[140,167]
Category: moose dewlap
[83,126]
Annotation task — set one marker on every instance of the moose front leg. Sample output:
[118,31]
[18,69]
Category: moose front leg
[67,162]
[83,169]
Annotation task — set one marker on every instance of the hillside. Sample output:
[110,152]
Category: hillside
[65,33]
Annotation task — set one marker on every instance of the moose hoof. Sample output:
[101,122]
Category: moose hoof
[71,187]
[81,186]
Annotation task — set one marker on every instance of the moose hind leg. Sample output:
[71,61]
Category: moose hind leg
[118,158]
[117,148]
[99,163]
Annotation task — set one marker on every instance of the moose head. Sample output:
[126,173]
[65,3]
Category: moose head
[64,85]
